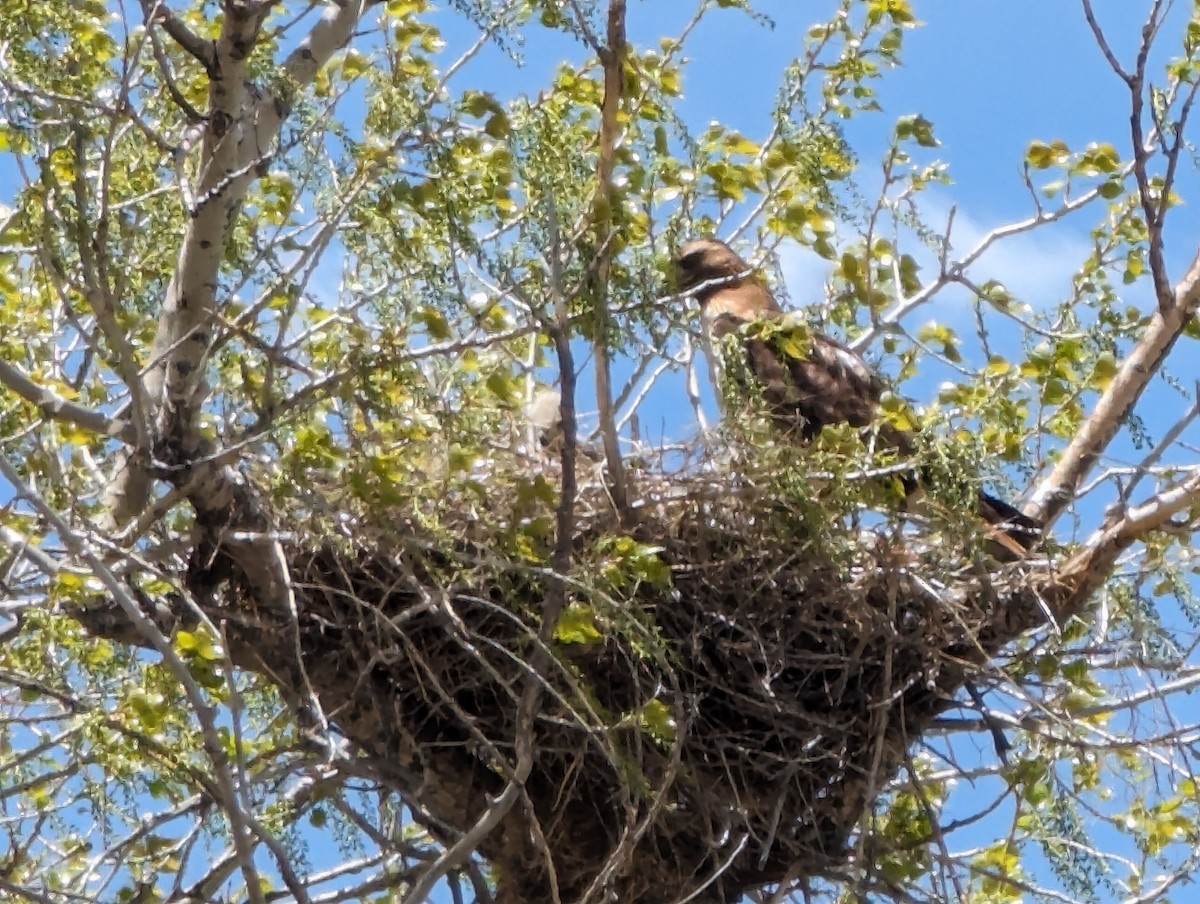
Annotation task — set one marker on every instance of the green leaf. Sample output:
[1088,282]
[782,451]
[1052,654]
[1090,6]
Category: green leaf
[1040,155]
[658,722]
[739,144]
[850,268]
[577,624]
[504,386]
[435,323]
[497,125]
[186,641]
[916,127]
[1099,158]
[1103,371]
[354,64]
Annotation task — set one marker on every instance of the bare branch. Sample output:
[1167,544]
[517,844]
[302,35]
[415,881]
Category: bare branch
[1154,212]
[1102,42]
[950,273]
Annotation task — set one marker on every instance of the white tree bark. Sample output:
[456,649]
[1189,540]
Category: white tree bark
[239,138]
[1057,490]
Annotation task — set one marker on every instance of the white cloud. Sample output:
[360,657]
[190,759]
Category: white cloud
[1036,266]
[804,273]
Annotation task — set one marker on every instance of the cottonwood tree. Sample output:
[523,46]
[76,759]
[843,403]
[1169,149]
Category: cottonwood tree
[302,603]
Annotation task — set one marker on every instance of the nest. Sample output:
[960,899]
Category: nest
[706,734]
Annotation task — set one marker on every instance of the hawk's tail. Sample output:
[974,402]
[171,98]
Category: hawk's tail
[1013,531]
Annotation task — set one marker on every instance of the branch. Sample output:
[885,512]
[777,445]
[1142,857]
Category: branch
[1141,156]
[458,852]
[1033,717]
[157,11]
[1103,44]
[1069,589]
[239,137]
[564,543]
[952,271]
[1168,322]
[146,628]
[54,406]
[613,58]
[1147,464]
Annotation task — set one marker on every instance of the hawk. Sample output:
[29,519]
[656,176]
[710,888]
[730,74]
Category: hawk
[826,383]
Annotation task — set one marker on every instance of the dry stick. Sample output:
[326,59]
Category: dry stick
[472,838]
[937,831]
[612,57]
[1102,42]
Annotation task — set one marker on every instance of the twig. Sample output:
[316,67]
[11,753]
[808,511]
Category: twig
[1102,43]
[1146,465]
[1141,156]
[950,274]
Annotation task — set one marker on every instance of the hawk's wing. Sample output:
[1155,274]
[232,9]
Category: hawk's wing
[809,380]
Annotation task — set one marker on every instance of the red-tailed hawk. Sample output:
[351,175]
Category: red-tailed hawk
[821,383]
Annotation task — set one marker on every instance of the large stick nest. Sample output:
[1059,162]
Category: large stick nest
[722,726]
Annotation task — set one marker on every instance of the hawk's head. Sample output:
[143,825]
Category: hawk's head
[701,260]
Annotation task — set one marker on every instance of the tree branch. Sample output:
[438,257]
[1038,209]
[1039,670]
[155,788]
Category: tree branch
[239,135]
[1141,156]
[951,271]
[1102,43]
[158,11]
[613,58]
[52,405]
[148,630]
[1054,493]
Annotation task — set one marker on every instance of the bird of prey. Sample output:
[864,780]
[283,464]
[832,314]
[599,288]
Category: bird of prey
[820,383]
